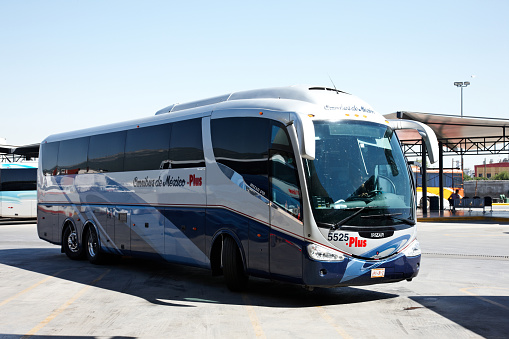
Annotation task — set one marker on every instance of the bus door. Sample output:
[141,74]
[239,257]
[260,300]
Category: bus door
[240,181]
[286,206]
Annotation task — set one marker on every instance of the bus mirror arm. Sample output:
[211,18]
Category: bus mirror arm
[415,163]
[305,136]
[427,134]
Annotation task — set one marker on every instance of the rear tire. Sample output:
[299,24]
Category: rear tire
[70,243]
[93,249]
[233,267]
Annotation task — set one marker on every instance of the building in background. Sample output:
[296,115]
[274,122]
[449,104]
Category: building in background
[489,170]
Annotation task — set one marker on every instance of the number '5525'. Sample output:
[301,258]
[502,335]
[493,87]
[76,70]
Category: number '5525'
[338,237]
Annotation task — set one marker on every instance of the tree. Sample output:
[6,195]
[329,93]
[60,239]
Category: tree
[502,176]
[467,177]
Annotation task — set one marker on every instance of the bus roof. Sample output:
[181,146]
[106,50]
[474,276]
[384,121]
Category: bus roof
[321,103]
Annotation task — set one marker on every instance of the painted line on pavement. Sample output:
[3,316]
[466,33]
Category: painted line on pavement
[466,291]
[255,322]
[331,322]
[28,289]
[62,308]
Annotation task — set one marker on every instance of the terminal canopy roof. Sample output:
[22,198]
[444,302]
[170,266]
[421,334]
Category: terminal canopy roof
[19,152]
[460,135]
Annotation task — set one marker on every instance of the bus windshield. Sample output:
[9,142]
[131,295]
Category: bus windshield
[359,177]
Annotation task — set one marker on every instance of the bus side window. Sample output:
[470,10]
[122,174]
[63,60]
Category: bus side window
[49,153]
[432,179]
[73,156]
[146,148]
[279,137]
[242,145]
[186,146]
[284,180]
[106,152]
[458,180]
[19,179]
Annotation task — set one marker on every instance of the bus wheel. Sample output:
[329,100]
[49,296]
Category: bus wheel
[421,203]
[233,268]
[70,243]
[94,254]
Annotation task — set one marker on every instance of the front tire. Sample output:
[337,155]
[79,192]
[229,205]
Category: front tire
[70,243]
[93,248]
[421,205]
[233,267]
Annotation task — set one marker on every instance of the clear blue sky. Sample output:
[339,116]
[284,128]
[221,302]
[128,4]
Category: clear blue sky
[74,64]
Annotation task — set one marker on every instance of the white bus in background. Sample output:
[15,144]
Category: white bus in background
[306,185]
[18,190]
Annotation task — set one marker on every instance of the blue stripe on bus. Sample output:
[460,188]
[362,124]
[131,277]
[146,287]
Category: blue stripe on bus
[184,235]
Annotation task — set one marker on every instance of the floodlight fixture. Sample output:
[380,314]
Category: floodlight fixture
[461,83]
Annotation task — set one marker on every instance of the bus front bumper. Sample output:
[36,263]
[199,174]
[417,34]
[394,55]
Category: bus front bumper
[354,272]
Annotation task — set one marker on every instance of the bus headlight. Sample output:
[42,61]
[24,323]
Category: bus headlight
[322,253]
[413,250]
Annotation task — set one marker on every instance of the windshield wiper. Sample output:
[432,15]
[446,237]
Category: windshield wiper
[367,200]
[405,220]
[391,216]
[345,220]
[333,227]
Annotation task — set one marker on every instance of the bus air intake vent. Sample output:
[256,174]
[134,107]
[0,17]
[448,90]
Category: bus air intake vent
[326,89]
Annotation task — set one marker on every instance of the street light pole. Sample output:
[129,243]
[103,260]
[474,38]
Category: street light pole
[462,84]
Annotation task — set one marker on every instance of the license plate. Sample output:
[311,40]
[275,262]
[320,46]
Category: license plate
[378,273]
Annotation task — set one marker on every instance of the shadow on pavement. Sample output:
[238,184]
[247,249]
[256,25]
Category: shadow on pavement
[487,316]
[11,221]
[16,336]
[177,285]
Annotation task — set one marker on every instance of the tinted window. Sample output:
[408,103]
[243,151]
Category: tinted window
[458,180]
[279,137]
[106,152]
[448,180]
[284,182]
[19,179]
[186,149]
[242,144]
[433,179]
[72,156]
[147,148]
[49,153]
[419,180]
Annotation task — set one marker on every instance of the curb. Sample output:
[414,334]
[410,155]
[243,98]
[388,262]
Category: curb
[457,219]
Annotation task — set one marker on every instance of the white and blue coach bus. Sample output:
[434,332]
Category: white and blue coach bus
[18,190]
[297,184]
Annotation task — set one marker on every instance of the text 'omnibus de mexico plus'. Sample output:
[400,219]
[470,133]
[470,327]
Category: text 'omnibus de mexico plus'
[306,185]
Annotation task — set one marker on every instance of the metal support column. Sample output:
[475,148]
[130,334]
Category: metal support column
[424,204]
[441,174]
